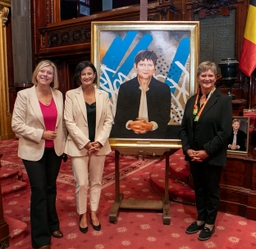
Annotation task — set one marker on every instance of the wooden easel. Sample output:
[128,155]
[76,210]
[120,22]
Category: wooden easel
[121,203]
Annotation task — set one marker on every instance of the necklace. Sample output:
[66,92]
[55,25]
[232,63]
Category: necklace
[44,97]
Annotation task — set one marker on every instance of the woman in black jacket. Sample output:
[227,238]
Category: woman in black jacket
[205,129]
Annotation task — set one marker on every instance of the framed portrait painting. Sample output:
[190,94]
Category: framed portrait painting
[238,142]
[148,70]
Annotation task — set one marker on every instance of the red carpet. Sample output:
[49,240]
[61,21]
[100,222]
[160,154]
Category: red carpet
[178,189]
[134,229]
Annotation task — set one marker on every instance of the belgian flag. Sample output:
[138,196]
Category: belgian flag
[247,62]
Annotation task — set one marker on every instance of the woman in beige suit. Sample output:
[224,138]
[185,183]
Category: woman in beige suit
[88,120]
[38,123]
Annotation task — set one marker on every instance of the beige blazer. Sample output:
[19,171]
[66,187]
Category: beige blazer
[75,116]
[28,124]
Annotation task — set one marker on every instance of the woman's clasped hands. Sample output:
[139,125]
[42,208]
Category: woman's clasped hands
[49,135]
[93,147]
[197,155]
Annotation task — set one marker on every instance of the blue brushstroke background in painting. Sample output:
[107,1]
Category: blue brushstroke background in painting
[118,62]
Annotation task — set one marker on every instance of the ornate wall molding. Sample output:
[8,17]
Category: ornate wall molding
[6,3]
[49,5]
[69,36]
[4,12]
[212,7]
[5,117]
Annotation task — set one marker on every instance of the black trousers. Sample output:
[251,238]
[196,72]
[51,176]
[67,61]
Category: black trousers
[43,215]
[207,190]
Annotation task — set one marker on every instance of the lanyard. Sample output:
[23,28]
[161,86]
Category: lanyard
[195,109]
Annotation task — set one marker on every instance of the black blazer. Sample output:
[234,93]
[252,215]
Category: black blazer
[127,108]
[211,131]
[240,139]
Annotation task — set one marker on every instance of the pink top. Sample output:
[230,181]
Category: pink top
[50,116]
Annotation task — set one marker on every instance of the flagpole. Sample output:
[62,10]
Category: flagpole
[247,61]
[250,93]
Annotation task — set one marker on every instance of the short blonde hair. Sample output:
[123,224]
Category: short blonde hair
[45,63]
[205,66]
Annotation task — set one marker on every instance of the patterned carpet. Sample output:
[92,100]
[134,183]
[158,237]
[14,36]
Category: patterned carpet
[134,229]
[128,164]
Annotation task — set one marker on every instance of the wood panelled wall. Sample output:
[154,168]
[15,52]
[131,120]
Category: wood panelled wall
[68,42]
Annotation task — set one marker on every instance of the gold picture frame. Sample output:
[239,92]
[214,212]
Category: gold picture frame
[176,44]
[242,145]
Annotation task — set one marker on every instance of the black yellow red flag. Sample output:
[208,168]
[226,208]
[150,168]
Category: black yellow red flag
[247,61]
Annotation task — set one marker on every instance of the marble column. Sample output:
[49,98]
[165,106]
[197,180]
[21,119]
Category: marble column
[22,42]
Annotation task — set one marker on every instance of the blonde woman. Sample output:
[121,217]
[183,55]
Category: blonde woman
[38,123]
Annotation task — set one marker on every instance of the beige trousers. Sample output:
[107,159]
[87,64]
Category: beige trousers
[88,171]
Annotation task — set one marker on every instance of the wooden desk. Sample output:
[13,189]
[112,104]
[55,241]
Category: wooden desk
[142,149]
[238,187]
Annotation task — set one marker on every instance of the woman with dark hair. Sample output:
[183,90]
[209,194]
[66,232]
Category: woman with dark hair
[89,121]
[205,128]
[147,99]
[38,123]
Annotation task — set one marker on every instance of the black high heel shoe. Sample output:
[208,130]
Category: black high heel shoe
[98,227]
[83,230]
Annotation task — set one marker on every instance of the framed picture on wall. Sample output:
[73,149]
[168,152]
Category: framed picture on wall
[143,58]
[238,142]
